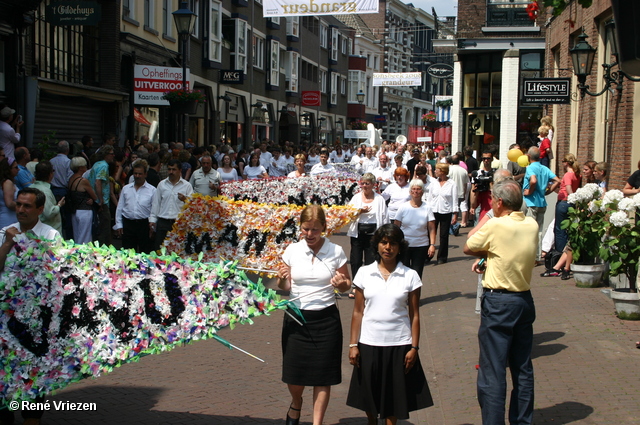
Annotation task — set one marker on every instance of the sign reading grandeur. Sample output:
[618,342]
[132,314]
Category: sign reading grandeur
[546,90]
[61,13]
[273,8]
[151,82]
[397,79]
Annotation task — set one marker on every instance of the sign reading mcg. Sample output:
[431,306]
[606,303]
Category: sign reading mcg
[546,91]
[273,8]
[397,79]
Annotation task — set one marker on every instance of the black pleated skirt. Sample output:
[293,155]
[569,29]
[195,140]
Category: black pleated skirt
[312,354]
[380,386]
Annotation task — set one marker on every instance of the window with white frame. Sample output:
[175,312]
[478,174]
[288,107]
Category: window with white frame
[293,26]
[343,85]
[291,67]
[334,88]
[195,8]
[345,44]
[275,20]
[215,31]
[129,9]
[240,52]
[258,51]
[167,18]
[149,15]
[274,63]
[323,80]
[334,44]
[356,84]
[324,35]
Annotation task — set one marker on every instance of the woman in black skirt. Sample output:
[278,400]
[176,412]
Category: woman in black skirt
[388,380]
[311,353]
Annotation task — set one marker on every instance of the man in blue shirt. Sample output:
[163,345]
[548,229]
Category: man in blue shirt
[539,181]
[24,177]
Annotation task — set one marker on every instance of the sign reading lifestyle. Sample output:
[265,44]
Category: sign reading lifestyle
[546,90]
[151,82]
[397,79]
[286,8]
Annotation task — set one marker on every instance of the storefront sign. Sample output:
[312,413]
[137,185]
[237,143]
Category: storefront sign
[546,91]
[380,118]
[231,76]
[151,82]
[73,13]
[440,70]
[288,8]
[397,79]
[311,98]
[356,134]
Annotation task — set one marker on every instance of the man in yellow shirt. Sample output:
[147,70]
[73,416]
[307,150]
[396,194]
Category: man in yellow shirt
[509,243]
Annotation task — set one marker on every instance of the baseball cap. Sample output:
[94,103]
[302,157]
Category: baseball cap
[6,112]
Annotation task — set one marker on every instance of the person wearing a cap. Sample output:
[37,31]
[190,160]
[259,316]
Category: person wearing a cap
[415,160]
[9,130]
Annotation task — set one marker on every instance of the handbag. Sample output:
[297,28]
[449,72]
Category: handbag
[366,228]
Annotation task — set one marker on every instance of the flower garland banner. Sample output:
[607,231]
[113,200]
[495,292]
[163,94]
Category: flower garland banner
[68,312]
[324,190]
[254,234]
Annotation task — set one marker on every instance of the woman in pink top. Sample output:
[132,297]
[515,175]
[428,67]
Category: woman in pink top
[570,183]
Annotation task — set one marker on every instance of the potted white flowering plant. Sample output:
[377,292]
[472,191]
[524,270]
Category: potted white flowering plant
[621,248]
[585,228]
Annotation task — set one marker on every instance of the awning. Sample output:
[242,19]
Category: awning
[137,115]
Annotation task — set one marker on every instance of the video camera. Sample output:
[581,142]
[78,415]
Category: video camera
[482,180]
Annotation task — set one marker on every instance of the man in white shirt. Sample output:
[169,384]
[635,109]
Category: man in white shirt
[383,173]
[359,155]
[61,174]
[368,163]
[461,178]
[278,165]
[265,156]
[134,209]
[29,205]
[205,180]
[289,160]
[323,166]
[167,202]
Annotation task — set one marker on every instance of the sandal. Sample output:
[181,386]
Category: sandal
[550,273]
[290,420]
[566,275]
[352,294]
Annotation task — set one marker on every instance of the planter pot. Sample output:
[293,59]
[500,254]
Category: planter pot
[188,107]
[588,275]
[627,304]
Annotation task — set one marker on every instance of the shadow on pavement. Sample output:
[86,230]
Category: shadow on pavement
[563,413]
[447,297]
[540,350]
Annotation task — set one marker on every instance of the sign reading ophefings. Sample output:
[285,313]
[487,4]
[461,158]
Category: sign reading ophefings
[397,79]
[546,90]
[273,8]
[151,82]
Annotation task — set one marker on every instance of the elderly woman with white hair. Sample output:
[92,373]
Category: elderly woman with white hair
[417,221]
[81,199]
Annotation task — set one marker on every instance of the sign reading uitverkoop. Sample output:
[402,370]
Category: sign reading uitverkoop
[546,90]
[151,82]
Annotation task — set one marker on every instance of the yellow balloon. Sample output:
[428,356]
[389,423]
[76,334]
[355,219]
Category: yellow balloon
[514,154]
[523,161]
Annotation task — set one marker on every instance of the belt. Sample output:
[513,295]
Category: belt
[166,219]
[137,220]
[503,291]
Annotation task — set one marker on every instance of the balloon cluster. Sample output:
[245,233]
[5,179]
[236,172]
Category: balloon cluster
[516,155]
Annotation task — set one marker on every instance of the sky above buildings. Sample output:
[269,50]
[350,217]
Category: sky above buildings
[443,7]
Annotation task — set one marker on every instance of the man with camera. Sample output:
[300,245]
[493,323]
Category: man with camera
[481,185]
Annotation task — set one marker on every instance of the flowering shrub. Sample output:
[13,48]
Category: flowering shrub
[429,116]
[184,96]
[585,223]
[621,246]
[359,125]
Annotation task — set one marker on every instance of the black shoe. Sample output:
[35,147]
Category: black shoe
[290,420]
[442,261]
[566,275]
[550,273]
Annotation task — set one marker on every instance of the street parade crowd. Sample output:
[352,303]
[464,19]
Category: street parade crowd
[410,199]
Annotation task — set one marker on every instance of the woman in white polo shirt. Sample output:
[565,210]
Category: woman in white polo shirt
[312,270]
[387,380]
